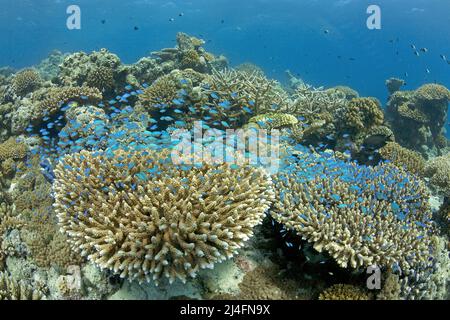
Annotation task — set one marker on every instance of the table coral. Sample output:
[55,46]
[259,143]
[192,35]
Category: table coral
[144,218]
[344,292]
[359,215]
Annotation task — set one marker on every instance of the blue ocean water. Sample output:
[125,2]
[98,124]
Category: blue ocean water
[324,42]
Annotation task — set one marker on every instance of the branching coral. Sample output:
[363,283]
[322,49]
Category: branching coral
[248,90]
[25,82]
[11,289]
[359,215]
[344,292]
[142,217]
[403,158]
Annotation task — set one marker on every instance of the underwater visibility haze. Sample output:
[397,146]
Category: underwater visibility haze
[224,149]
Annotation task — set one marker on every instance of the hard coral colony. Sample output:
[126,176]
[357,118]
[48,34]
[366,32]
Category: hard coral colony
[90,189]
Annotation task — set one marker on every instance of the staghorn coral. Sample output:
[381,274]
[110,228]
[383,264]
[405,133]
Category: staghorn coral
[403,158]
[237,95]
[12,149]
[344,292]
[10,289]
[25,82]
[249,68]
[359,215]
[348,92]
[169,225]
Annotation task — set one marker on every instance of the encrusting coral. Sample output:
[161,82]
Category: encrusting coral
[344,292]
[144,218]
[360,215]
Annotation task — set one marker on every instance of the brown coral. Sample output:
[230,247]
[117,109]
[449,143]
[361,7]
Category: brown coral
[11,289]
[171,224]
[52,99]
[161,93]
[11,149]
[25,82]
[438,170]
[403,157]
[363,113]
[344,292]
[101,78]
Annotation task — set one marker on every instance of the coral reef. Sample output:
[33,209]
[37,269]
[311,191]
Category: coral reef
[99,69]
[196,217]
